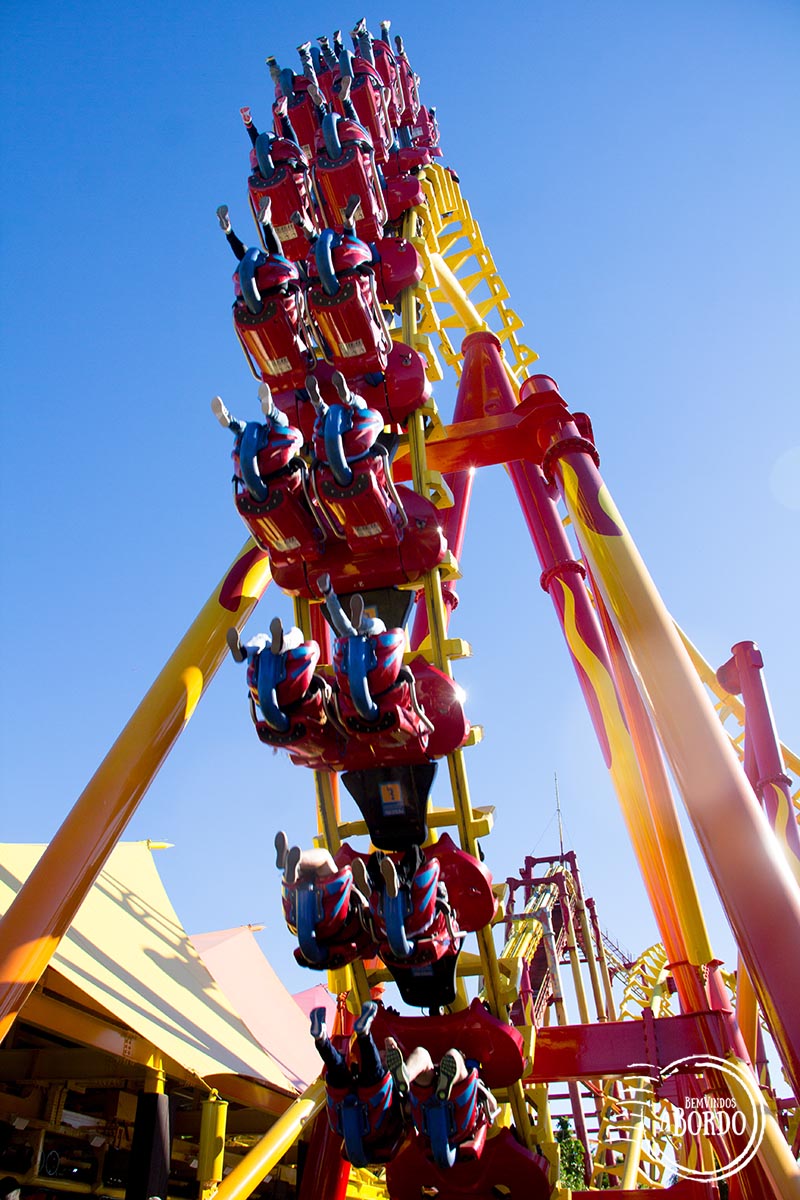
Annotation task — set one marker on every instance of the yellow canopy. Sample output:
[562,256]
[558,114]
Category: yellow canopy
[127,952]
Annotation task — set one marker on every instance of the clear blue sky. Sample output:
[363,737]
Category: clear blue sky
[634,169]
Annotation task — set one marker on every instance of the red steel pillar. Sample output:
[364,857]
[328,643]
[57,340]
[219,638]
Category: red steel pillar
[742,675]
[757,889]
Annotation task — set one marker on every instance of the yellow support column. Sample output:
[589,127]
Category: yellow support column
[47,903]
[211,1152]
[256,1165]
[437,629]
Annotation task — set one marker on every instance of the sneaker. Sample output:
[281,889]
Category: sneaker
[265,210]
[385,27]
[246,115]
[292,864]
[265,399]
[342,387]
[235,646]
[318,1028]
[316,95]
[315,395]
[357,612]
[224,218]
[276,635]
[359,28]
[351,211]
[487,1100]
[220,412]
[389,873]
[281,848]
[286,80]
[396,1066]
[344,88]
[363,1022]
[304,48]
[360,877]
[274,69]
[448,1069]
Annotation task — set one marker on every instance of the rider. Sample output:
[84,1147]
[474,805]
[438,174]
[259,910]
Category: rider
[453,1083]
[271,239]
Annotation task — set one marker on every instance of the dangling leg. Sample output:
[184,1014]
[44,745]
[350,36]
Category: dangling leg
[372,1069]
[249,124]
[361,879]
[271,240]
[452,1070]
[334,1060]
[397,1067]
[349,216]
[281,111]
[225,419]
[347,103]
[268,406]
[310,73]
[291,865]
[304,50]
[339,619]
[417,1068]
[315,395]
[390,877]
[410,862]
[235,646]
[281,849]
[237,246]
[342,387]
[274,70]
[362,39]
[328,56]
[488,1102]
[346,69]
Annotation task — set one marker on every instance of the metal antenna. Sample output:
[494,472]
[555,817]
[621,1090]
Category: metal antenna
[558,810]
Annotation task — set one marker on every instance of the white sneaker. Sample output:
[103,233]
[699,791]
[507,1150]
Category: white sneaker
[220,412]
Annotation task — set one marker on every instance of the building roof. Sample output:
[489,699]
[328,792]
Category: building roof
[128,954]
[237,962]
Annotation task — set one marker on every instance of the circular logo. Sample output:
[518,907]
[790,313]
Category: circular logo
[724,1109]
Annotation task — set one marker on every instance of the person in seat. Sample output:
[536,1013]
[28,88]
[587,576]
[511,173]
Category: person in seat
[362,1105]
[452,1090]
[323,906]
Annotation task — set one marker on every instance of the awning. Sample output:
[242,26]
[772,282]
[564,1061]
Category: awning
[127,952]
[237,962]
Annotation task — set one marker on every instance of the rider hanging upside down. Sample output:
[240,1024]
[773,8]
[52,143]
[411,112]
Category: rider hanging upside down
[272,242]
[450,1105]
[362,1106]
[375,689]
[410,908]
[268,309]
[323,906]
[270,482]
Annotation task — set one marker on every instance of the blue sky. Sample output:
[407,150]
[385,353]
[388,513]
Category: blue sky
[634,169]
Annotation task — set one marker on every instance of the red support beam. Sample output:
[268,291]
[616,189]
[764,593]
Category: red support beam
[573,1052]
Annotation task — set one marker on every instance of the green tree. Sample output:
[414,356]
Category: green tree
[572,1156]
